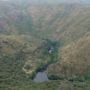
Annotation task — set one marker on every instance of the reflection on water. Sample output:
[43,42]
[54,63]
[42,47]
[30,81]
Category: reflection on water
[40,77]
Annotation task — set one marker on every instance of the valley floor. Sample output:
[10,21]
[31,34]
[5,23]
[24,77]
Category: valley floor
[51,85]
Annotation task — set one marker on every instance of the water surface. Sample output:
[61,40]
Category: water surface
[40,77]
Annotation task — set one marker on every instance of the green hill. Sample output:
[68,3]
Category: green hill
[73,61]
[28,31]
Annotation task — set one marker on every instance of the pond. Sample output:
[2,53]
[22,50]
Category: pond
[40,77]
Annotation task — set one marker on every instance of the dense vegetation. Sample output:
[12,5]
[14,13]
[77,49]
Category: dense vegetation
[51,38]
[74,62]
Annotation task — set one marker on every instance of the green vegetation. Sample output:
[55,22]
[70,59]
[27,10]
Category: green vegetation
[74,63]
[14,51]
[45,56]
[51,85]
[54,39]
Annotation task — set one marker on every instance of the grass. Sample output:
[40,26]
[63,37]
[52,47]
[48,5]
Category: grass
[26,34]
[74,61]
[51,85]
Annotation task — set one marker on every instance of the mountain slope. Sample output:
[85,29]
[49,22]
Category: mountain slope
[74,61]
[63,22]
[50,37]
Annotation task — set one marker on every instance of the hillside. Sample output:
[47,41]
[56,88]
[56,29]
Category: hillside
[15,51]
[65,23]
[44,37]
[74,61]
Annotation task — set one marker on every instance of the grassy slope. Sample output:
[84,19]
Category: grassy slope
[60,22]
[15,51]
[64,23]
[74,60]
[51,85]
